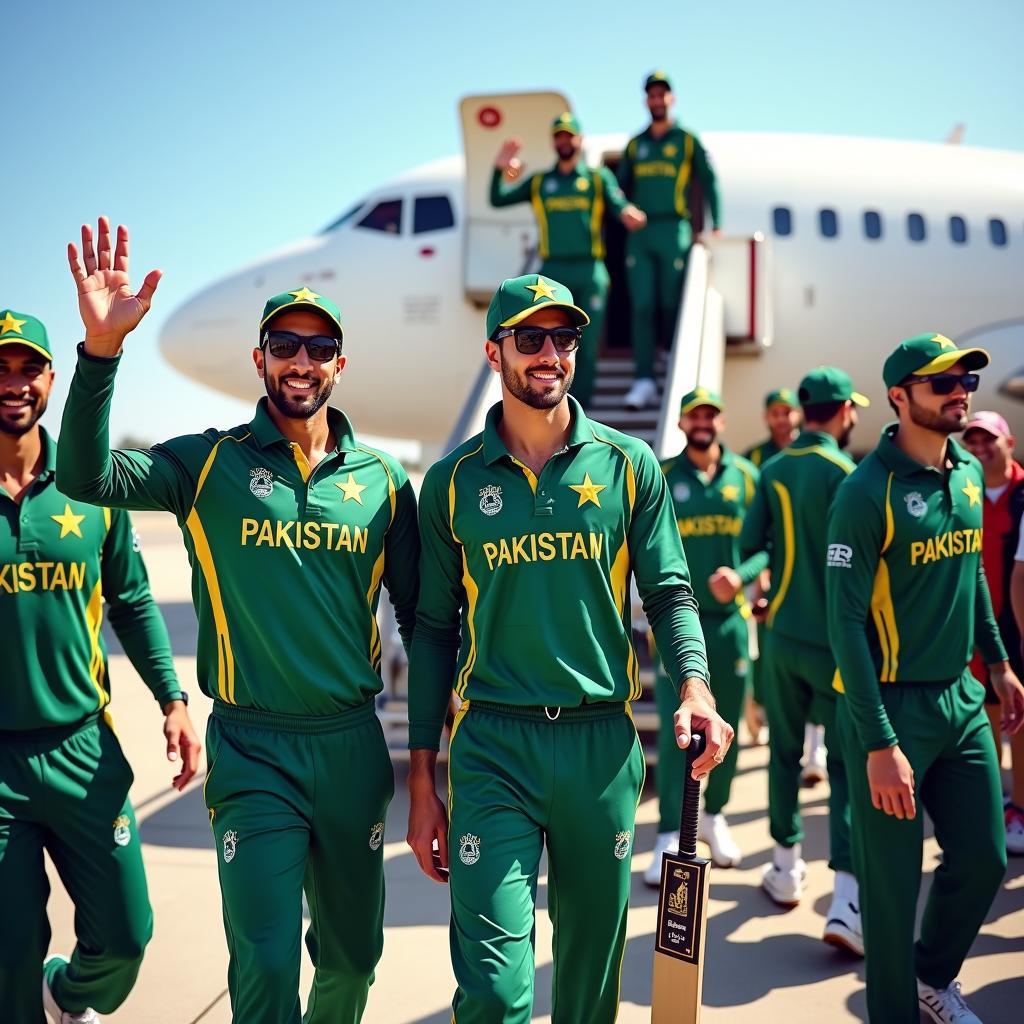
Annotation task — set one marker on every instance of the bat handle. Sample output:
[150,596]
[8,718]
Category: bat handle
[691,799]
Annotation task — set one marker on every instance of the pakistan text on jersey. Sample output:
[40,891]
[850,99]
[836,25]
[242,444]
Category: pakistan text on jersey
[307,536]
[543,547]
[950,544]
[709,526]
[16,577]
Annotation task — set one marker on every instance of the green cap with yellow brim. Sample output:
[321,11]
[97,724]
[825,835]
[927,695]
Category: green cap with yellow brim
[696,398]
[303,298]
[566,122]
[829,384]
[657,78]
[520,297]
[781,396]
[22,329]
[925,354]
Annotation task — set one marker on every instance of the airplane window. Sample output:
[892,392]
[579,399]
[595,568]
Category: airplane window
[829,223]
[782,220]
[872,224]
[343,219]
[915,227]
[997,231]
[432,213]
[958,229]
[385,216]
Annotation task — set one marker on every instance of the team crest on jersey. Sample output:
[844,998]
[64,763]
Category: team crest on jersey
[122,830]
[377,835]
[623,841]
[490,500]
[670,149]
[550,185]
[230,842]
[641,151]
[469,848]
[261,482]
[582,184]
[916,505]
[681,492]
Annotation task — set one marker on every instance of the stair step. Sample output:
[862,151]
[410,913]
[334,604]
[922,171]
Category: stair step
[633,417]
[623,382]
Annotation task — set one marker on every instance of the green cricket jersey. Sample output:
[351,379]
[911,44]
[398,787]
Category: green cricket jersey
[788,517]
[759,454]
[569,208]
[658,174]
[59,560]
[907,597]
[287,563]
[709,514]
[535,572]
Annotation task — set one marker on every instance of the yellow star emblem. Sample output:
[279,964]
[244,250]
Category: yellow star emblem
[973,492]
[588,491]
[943,342]
[541,290]
[670,150]
[730,492]
[68,522]
[304,295]
[352,490]
[10,324]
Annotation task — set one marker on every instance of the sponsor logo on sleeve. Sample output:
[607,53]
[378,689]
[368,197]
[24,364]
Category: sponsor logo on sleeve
[840,556]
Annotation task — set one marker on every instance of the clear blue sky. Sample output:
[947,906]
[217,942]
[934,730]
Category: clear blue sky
[220,130]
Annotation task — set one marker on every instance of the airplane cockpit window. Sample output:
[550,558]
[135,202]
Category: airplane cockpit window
[872,224]
[385,216]
[916,227]
[782,220]
[343,219]
[432,213]
[828,221]
[958,229]
[997,231]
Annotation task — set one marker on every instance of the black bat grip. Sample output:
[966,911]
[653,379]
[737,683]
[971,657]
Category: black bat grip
[691,799]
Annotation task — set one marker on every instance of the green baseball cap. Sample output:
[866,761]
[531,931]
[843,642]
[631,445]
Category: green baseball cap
[929,353]
[781,396]
[566,122]
[303,298]
[829,384]
[520,297]
[657,78]
[698,397]
[22,329]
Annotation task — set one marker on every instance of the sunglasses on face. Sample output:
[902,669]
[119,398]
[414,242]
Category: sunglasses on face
[530,340]
[285,345]
[946,383]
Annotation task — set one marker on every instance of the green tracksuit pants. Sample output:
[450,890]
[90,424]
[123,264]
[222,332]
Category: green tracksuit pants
[297,805]
[728,644]
[798,689]
[588,280]
[66,791]
[655,264]
[519,782]
[945,734]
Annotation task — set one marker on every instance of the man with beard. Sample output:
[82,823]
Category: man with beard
[63,779]
[658,171]
[788,517]
[711,488]
[568,202]
[291,526]
[907,605]
[530,532]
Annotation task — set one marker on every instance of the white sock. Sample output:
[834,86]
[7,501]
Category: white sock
[846,888]
[786,856]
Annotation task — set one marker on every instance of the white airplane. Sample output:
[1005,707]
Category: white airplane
[835,249]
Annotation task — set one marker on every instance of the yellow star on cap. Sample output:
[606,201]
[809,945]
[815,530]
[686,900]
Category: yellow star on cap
[10,324]
[943,342]
[352,490]
[68,522]
[304,295]
[973,492]
[541,290]
[588,491]
[730,492]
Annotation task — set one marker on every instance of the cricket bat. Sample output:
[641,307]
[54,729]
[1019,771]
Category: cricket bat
[682,912]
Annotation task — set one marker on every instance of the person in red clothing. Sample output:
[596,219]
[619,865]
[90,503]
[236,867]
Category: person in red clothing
[989,439]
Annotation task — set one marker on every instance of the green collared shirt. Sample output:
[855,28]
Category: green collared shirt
[287,562]
[60,560]
[759,454]
[907,597]
[525,579]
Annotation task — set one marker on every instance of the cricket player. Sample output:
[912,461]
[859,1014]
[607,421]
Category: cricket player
[63,779]
[711,488]
[907,604]
[530,533]
[569,202]
[788,518]
[291,525]
[782,418]
[657,172]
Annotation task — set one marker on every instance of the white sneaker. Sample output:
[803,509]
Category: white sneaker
[945,1005]
[643,392]
[667,842]
[714,830]
[784,878]
[815,767]
[842,927]
[1014,818]
[53,1011]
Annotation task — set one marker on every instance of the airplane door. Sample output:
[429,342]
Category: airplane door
[500,243]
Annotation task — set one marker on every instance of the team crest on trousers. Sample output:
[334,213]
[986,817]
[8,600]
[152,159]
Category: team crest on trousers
[261,482]
[623,841]
[490,500]
[469,848]
[916,505]
[122,830]
[230,841]
[377,835]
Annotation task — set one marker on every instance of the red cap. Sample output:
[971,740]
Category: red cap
[991,422]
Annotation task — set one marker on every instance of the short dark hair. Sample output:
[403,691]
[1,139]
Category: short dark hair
[820,412]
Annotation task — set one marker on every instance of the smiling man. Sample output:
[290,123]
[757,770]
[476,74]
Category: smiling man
[291,526]
[530,532]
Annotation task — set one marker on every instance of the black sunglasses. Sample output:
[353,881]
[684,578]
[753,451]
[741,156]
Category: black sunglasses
[285,345]
[945,383]
[530,340]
